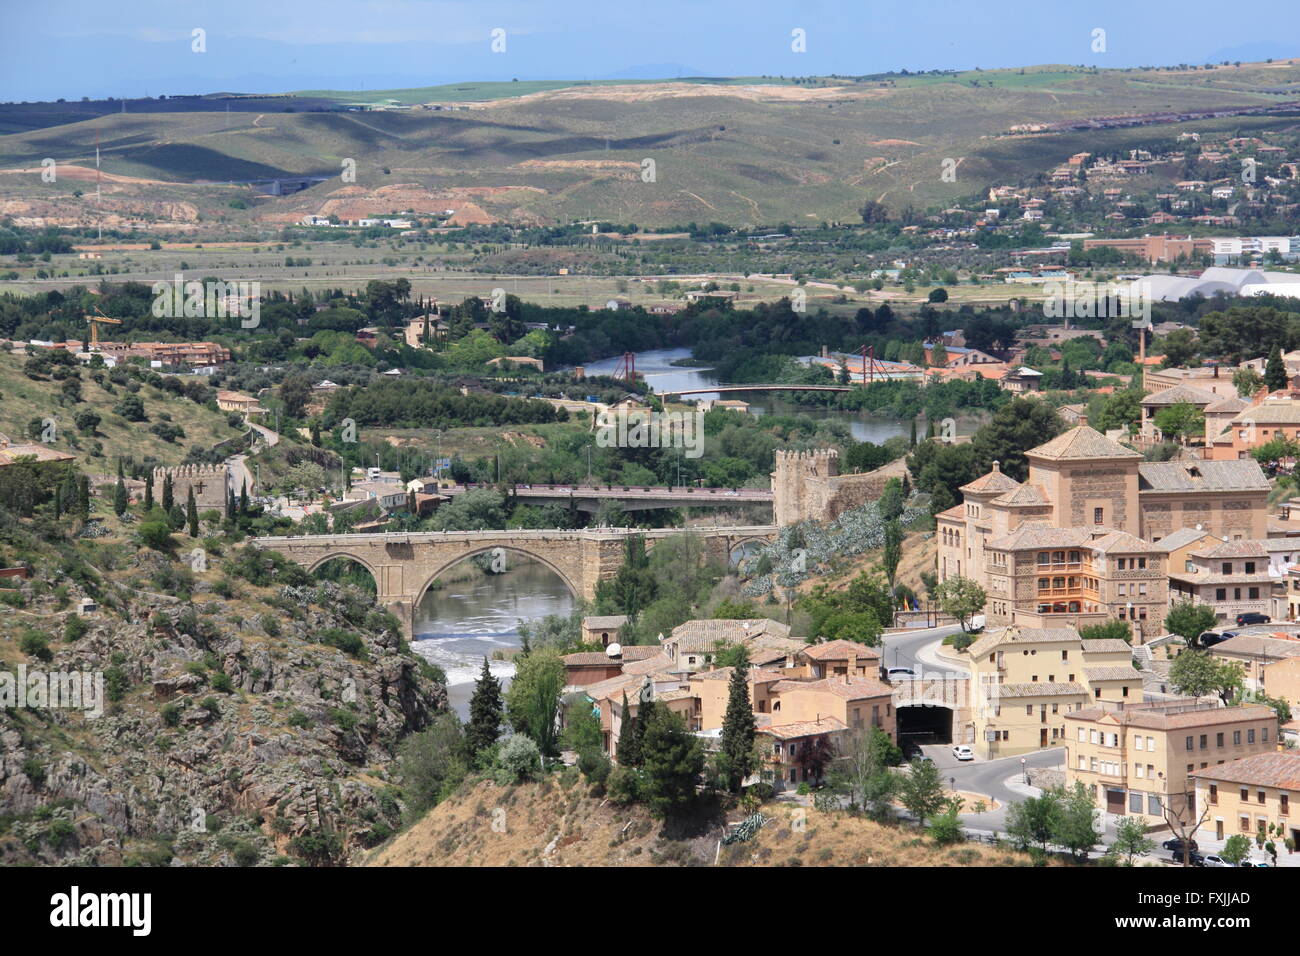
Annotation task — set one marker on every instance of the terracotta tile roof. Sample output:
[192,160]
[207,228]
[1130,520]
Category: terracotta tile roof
[1181,393]
[1112,672]
[851,688]
[9,454]
[1025,495]
[1270,413]
[640,652]
[994,480]
[1022,635]
[804,728]
[702,636]
[590,659]
[1240,475]
[1229,404]
[1182,537]
[1245,548]
[1252,645]
[650,665]
[1037,534]
[1121,542]
[1081,442]
[668,695]
[840,650]
[1108,645]
[1281,770]
[609,621]
[1175,716]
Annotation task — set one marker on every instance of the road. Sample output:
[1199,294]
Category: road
[238,474]
[916,649]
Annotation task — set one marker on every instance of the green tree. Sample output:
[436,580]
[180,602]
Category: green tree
[432,764]
[1033,821]
[120,499]
[1130,840]
[533,701]
[1112,630]
[168,495]
[922,791]
[738,727]
[1275,376]
[960,598]
[628,751]
[1247,381]
[672,760]
[1197,673]
[1180,421]
[1189,621]
[893,552]
[1016,427]
[192,513]
[1076,825]
[485,712]
[1236,849]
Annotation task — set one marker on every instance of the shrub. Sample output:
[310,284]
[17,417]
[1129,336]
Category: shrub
[221,682]
[35,644]
[75,628]
[623,786]
[518,759]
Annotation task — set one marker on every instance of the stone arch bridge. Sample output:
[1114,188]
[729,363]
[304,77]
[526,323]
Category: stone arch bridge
[404,565]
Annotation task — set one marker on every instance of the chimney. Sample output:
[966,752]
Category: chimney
[997,467]
[1083,418]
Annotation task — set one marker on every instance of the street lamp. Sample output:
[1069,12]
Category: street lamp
[1024,770]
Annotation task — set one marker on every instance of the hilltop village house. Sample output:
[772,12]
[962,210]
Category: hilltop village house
[1083,539]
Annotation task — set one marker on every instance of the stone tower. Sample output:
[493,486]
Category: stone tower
[208,481]
[801,484]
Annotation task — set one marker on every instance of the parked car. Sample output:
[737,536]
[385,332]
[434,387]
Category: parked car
[1256,863]
[1210,638]
[896,672]
[1252,617]
[1193,859]
[962,752]
[1176,845]
[1212,859]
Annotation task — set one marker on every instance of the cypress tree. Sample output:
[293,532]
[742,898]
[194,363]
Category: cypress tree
[912,440]
[148,492]
[645,713]
[120,500]
[58,502]
[192,512]
[230,505]
[738,726]
[1275,371]
[243,497]
[484,713]
[168,494]
[83,497]
[627,751]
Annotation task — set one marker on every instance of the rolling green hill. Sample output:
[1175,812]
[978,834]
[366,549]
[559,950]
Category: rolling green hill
[741,151]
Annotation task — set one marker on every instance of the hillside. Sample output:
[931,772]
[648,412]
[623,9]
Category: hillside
[24,399]
[248,715]
[558,823]
[757,152]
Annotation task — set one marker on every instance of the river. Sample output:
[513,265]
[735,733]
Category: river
[660,374]
[456,626]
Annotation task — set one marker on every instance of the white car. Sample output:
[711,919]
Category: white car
[962,752]
[1213,860]
[895,672]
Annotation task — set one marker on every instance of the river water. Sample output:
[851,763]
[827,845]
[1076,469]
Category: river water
[458,625]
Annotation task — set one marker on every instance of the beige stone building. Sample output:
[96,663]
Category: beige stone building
[1077,542]
[1134,757]
[1251,793]
[1025,681]
[1256,654]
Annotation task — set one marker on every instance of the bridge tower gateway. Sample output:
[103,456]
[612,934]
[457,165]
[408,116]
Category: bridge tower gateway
[800,484]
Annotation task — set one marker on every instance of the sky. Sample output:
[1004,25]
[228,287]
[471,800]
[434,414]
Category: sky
[130,48]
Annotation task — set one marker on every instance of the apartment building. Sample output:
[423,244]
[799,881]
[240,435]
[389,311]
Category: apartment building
[788,749]
[1025,681]
[1234,577]
[1256,654]
[1134,757]
[1251,794]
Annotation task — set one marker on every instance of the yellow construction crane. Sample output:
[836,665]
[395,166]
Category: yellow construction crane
[95,321]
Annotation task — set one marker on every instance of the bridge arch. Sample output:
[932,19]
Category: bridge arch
[346,556]
[541,559]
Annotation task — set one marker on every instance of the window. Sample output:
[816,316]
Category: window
[1252,593]
[1214,793]
[1220,594]
[1082,735]
[1236,738]
[1135,801]
[1065,655]
[1245,795]
[1250,567]
[1138,770]
[1245,823]
[1205,741]
[1153,805]
[1250,735]
[1189,747]
[1137,741]
[1227,567]
[1284,804]
[1261,796]
[1097,518]
[1218,740]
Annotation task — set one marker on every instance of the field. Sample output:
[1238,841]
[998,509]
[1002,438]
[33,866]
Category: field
[744,152]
